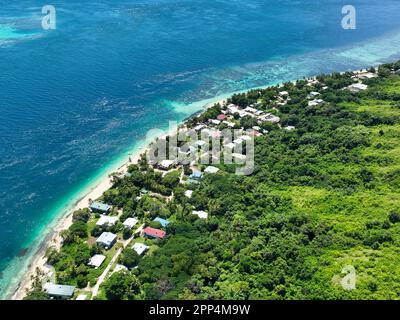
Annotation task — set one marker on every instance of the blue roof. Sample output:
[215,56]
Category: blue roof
[162,221]
[196,175]
[100,206]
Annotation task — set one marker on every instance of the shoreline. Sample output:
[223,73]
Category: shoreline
[53,239]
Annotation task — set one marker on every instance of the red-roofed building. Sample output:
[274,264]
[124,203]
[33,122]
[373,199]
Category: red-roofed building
[221,117]
[154,233]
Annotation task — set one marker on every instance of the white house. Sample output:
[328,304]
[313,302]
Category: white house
[119,267]
[167,164]
[200,214]
[106,220]
[107,239]
[238,141]
[270,118]
[188,193]
[313,94]
[229,124]
[315,102]
[140,248]
[289,128]
[211,169]
[200,143]
[97,260]
[246,138]
[357,87]
[250,110]
[229,145]
[130,222]
[238,157]
[214,121]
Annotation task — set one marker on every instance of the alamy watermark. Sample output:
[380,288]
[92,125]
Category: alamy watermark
[349,21]
[49,20]
[349,280]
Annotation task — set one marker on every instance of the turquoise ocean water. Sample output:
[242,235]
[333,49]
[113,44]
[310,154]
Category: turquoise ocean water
[76,100]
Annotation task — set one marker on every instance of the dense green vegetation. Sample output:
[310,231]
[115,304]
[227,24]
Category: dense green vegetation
[323,196]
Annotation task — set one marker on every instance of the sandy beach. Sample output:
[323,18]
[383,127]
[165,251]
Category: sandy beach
[53,239]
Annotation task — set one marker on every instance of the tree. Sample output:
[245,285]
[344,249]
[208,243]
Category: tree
[129,258]
[78,229]
[81,215]
[121,286]
[36,295]
[126,233]
[155,224]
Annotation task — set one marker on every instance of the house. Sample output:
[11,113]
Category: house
[59,291]
[289,128]
[119,267]
[196,175]
[357,87]
[312,82]
[200,143]
[211,169]
[140,248]
[229,124]
[232,109]
[107,239]
[250,110]
[154,233]
[269,117]
[229,146]
[365,75]
[221,117]
[238,157]
[106,220]
[188,193]
[97,206]
[81,297]
[246,138]
[315,102]
[243,114]
[166,164]
[97,260]
[313,94]
[130,223]
[283,93]
[162,221]
[214,121]
[200,214]
[199,127]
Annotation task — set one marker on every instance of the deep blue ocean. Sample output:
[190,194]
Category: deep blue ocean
[74,100]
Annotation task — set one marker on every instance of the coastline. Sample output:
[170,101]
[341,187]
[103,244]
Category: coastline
[38,260]
[53,238]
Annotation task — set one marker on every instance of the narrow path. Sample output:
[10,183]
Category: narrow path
[114,258]
[104,274]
